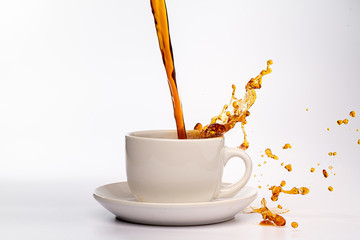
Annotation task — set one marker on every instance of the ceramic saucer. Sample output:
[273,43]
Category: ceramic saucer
[117,198]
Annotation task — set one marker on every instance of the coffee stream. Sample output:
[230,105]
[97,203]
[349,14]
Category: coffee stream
[162,29]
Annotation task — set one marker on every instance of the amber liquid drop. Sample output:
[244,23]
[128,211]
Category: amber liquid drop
[162,29]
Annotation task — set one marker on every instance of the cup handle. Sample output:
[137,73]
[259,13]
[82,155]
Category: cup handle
[227,191]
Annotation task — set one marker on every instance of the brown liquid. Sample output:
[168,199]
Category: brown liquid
[288,167]
[345,121]
[269,153]
[283,183]
[269,218]
[162,29]
[287,146]
[236,111]
[266,223]
[276,190]
[294,224]
[325,173]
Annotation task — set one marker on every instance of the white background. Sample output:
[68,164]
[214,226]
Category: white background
[75,76]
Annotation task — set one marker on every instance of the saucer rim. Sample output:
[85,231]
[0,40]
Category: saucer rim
[133,202]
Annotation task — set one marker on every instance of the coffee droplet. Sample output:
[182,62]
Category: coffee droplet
[352,114]
[287,146]
[294,224]
[325,173]
[330,188]
[279,220]
[288,167]
[312,169]
[269,153]
[283,183]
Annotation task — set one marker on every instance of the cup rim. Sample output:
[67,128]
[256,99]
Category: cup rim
[143,132]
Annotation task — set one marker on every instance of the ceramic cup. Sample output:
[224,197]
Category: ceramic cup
[161,168]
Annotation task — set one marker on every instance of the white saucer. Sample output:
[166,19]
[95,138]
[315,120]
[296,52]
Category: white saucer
[117,198]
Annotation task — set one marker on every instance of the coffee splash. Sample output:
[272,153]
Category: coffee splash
[269,217]
[235,112]
[276,190]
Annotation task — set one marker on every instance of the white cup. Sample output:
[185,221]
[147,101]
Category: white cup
[161,168]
